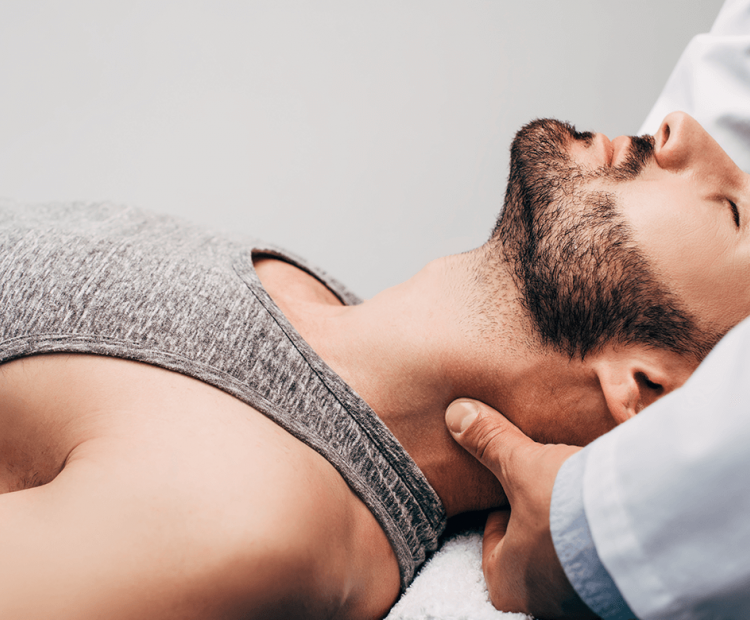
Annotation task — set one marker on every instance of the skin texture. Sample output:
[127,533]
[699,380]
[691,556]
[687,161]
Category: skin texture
[133,492]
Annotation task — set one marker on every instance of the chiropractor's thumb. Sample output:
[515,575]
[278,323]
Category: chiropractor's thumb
[487,435]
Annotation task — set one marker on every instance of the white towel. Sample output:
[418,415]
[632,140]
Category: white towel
[451,586]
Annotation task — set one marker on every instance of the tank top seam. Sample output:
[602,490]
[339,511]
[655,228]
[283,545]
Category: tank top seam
[292,338]
[364,429]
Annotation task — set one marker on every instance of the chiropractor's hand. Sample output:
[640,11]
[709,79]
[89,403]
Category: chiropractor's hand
[518,557]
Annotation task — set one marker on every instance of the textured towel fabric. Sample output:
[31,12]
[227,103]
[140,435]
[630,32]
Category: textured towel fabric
[451,586]
[112,280]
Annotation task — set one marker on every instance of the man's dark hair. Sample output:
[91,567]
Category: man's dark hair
[582,279]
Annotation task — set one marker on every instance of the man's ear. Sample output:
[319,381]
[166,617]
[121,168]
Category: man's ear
[633,377]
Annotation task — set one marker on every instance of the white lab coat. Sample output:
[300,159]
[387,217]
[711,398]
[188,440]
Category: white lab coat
[667,495]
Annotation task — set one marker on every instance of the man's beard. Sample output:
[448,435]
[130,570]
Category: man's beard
[581,277]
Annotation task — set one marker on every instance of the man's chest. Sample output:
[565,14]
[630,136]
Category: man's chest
[221,484]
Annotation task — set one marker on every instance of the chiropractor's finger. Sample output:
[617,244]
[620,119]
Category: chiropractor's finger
[501,576]
[490,438]
[494,532]
[500,565]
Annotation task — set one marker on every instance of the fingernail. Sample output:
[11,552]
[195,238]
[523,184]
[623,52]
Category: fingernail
[460,415]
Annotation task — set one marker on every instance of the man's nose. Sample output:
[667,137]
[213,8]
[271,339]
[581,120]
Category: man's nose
[681,144]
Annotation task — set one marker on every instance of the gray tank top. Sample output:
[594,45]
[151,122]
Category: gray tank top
[111,280]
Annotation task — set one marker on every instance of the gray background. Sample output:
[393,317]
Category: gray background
[369,137]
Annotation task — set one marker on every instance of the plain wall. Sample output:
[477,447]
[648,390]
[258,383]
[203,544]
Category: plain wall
[370,137]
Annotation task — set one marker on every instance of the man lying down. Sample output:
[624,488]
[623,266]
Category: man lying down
[196,426]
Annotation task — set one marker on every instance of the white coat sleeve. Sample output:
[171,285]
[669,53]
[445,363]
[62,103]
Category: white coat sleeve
[666,496]
[711,82]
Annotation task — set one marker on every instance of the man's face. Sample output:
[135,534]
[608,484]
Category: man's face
[640,231]
[689,210]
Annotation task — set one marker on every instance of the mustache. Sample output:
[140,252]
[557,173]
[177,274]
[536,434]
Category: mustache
[640,152]
[542,145]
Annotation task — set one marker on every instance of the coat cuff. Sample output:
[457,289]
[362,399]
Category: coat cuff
[575,546]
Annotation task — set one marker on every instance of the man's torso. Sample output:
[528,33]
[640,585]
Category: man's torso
[178,439]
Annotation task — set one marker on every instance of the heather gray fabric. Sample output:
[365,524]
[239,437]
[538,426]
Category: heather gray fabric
[113,280]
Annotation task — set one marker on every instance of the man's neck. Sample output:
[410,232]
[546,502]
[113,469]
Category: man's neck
[413,349]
